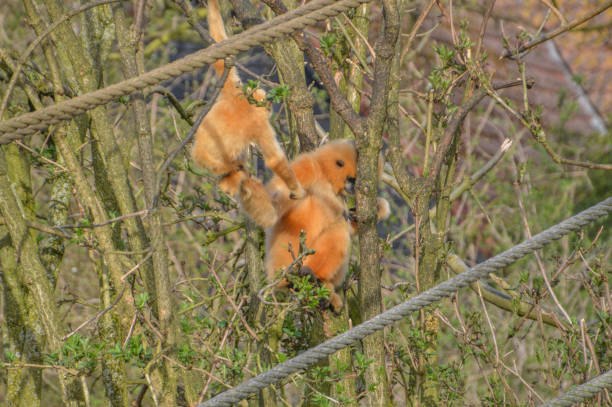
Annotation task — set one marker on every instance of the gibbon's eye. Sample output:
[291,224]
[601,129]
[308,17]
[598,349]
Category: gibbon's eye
[340,163]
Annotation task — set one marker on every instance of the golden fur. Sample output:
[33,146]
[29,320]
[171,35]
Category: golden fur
[326,174]
[227,130]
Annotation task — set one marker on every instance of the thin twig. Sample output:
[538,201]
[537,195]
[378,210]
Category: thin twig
[501,300]
[107,222]
[560,30]
[38,40]
[416,27]
[363,38]
[40,156]
[483,27]
[98,315]
[537,256]
[190,135]
[136,267]
[539,135]
[174,101]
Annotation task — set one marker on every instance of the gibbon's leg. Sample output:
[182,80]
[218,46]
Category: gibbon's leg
[230,182]
[331,249]
[304,271]
[257,203]
[335,302]
[277,162]
[330,259]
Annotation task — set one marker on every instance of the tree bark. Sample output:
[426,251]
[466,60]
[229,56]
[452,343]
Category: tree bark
[369,146]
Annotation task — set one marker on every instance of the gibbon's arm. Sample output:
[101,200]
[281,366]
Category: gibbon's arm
[215,22]
[333,163]
[383,208]
[224,135]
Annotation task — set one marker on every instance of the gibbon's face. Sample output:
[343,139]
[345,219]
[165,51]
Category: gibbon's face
[339,162]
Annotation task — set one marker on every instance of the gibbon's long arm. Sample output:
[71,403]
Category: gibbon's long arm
[226,132]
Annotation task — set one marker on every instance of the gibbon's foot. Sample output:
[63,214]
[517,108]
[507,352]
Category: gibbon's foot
[298,193]
[335,303]
[304,271]
[257,203]
[307,271]
[383,207]
[283,283]
[230,183]
[331,303]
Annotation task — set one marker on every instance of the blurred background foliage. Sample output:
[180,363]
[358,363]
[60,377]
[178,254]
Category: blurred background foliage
[483,355]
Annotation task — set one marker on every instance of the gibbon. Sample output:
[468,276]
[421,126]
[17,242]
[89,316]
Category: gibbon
[227,130]
[327,174]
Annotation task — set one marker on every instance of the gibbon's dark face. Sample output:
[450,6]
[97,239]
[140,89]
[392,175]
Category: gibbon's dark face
[349,186]
[339,162]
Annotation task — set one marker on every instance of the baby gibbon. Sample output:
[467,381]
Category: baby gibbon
[227,130]
[326,174]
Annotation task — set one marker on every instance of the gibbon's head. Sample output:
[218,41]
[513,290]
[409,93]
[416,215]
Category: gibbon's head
[338,161]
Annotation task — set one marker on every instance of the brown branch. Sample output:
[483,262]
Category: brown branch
[560,30]
[483,27]
[416,27]
[97,225]
[46,229]
[12,366]
[97,316]
[502,300]
[338,101]
[456,122]
[538,133]
[369,144]
[321,66]
[540,137]
[174,101]
[136,267]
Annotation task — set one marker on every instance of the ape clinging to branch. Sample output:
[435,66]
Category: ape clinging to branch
[327,174]
[227,130]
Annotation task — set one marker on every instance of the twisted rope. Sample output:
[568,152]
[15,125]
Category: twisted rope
[583,392]
[306,15]
[442,290]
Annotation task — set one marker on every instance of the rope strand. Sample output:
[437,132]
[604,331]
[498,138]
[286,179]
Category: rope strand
[306,15]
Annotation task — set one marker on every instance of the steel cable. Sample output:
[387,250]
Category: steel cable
[582,392]
[442,290]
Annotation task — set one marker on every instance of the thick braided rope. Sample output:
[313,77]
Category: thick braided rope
[306,15]
[442,290]
[583,392]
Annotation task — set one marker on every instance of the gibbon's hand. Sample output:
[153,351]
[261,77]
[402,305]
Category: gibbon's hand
[300,193]
[382,206]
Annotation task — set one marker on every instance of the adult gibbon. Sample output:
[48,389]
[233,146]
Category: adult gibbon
[227,130]
[327,174]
